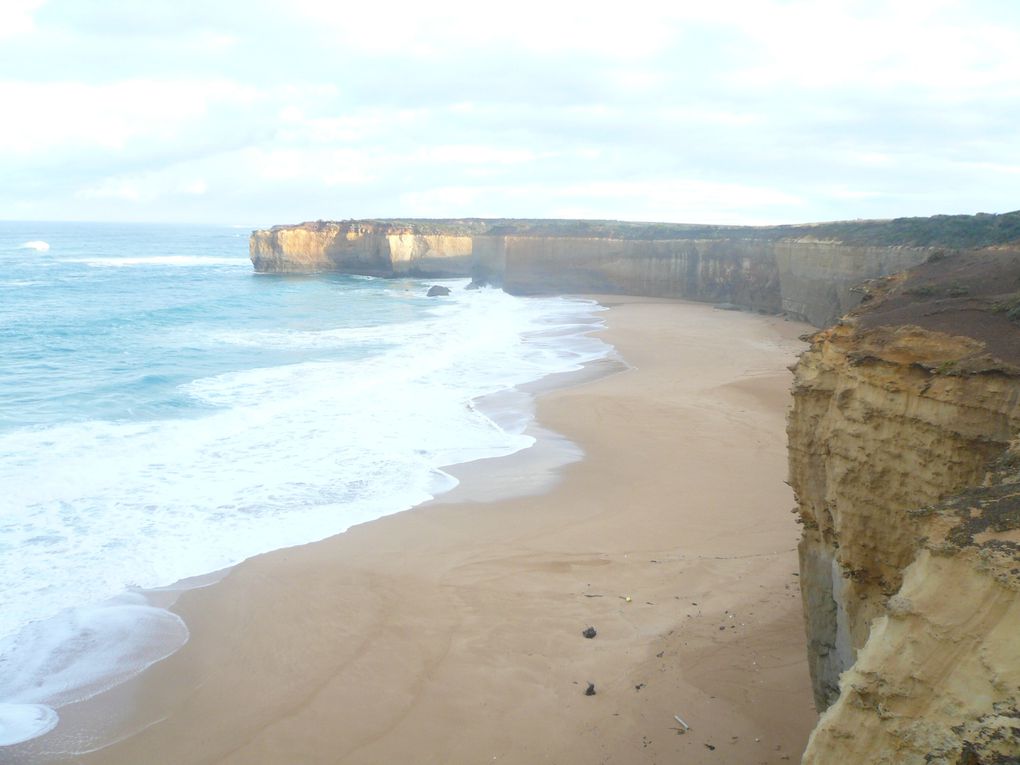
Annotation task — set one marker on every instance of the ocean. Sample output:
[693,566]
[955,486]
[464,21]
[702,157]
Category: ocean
[165,413]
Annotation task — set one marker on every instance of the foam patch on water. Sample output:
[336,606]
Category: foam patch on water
[160,260]
[38,245]
[343,337]
[21,722]
[76,655]
[20,283]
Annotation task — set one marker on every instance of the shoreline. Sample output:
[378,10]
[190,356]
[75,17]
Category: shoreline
[453,629]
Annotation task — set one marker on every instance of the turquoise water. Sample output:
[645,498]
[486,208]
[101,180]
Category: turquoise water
[165,412]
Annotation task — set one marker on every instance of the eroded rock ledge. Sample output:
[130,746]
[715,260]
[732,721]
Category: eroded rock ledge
[905,459]
[807,271]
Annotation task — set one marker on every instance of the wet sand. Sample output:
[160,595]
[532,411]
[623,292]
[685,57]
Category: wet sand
[452,633]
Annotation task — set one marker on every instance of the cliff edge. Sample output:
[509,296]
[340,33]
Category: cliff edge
[904,445]
[808,272]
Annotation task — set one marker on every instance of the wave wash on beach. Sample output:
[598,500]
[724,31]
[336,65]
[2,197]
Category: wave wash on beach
[168,414]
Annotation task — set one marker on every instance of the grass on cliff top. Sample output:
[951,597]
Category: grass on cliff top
[955,231]
[951,231]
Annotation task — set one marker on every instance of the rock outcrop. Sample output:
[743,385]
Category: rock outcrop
[368,248]
[905,459]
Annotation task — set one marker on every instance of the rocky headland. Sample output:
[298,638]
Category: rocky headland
[904,435]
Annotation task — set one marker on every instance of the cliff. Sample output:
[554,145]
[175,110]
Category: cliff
[361,247]
[905,459]
[806,279]
[808,271]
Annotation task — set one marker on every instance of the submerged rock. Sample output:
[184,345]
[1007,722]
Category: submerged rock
[435,291]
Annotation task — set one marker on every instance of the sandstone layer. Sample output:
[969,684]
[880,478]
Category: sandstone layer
[903,457]
[357,247]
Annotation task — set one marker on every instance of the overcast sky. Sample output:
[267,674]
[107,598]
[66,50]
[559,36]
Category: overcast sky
[272,111]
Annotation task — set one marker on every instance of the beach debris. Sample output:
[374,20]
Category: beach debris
[679,720]
[590,690]
[639,686]
[709,747]
[590,633]
[625,598]
[437,290]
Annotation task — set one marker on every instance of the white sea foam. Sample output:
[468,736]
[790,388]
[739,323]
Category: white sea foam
[21,722]
[161,260]
[344,337]
[36,244]
[75,655]
[289,454]
[20,282]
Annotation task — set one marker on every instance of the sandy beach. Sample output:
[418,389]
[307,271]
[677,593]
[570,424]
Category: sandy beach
[452,633]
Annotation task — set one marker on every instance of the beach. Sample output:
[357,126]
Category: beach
[452,633]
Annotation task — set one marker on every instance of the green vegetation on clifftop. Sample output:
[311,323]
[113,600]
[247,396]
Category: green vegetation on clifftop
[951,231]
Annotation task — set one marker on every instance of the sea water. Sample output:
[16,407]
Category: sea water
[165,412]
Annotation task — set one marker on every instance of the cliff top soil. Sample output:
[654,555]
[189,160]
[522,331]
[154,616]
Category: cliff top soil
[951,231]
[971,294]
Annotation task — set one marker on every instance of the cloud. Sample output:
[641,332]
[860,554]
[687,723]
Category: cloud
[387,28]
[17,17]
[72,116]
[738,111]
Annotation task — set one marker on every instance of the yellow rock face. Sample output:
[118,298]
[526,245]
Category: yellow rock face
[906,554]
[359,248]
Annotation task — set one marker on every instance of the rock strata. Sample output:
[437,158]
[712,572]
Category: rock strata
[905,459]
[360,247]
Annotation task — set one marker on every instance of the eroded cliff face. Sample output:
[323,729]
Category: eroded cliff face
[754,269]
[742,272]
[904,460]
[360,248]
[820,278]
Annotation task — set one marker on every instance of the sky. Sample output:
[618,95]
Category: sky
[733,111]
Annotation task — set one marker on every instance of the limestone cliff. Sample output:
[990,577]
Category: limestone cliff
[802,271]
[360,247]
[904,459]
